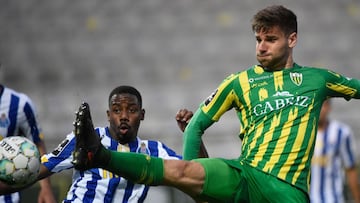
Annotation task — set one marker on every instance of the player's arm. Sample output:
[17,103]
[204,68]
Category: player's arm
[348,149]
[32,129]
[339,85]
[193,133]
[183,117]
[46,194]
[210,111]
[353,182]
[6,189]
[348,153]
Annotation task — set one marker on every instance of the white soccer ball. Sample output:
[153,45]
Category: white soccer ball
[19,161]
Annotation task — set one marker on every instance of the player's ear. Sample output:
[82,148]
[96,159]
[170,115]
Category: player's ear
[142,114]
[292,40]
[108,114]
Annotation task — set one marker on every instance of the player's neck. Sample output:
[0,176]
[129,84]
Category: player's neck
[289,63]
[323,124]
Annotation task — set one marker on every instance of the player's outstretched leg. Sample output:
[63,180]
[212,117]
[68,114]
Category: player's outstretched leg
[87,141]
[90,153]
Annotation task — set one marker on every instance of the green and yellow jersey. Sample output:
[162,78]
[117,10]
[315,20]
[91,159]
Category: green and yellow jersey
[278,113]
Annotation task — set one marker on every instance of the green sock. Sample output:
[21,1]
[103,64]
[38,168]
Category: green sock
[139,168]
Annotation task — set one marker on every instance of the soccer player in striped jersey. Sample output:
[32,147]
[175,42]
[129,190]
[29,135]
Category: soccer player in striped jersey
[278,104]
[125,114]
[334,154]
[18,117]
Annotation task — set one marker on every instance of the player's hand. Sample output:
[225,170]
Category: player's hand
[183,117]
[46,196]
[3,188]
[6,189]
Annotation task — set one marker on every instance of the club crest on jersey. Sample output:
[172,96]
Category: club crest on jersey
[143,149]
[296,78]
[4,121]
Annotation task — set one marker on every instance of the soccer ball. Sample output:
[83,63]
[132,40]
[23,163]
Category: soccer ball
[19,161]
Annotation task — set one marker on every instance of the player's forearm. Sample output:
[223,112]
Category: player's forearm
[45,183]
[6,189]
[41,147]
[353,182]
[46,193]
[193,133]
[191,147]
[43,178]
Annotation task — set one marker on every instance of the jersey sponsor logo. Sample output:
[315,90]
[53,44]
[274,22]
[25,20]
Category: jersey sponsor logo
[264,77]
[296,78]
[283,94]
[261,84]
[280,103]
[4,121]
[211,97]
[60,147]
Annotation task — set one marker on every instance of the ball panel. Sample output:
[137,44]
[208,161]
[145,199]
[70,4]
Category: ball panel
[20,161]
[7,168]
[21,177]
[33,164]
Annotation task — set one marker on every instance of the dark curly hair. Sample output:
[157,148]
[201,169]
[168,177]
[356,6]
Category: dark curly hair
[275,15]
[124,89]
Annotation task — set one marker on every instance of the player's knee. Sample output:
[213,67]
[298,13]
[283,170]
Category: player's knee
[179,170]
[187,176]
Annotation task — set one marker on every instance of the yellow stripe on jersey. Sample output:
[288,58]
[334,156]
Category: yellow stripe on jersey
[258,133]
[267,138]
[107,174]
[304,160]
[342,89]
[298,142]
[285,132]
[278,80]
[245,87]
[224,106]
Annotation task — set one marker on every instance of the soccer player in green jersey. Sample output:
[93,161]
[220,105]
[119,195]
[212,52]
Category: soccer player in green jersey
[278,104]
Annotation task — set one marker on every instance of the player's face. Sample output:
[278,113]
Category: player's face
[274,48]
[124,115]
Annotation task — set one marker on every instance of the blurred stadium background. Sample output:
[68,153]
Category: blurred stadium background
[175,52]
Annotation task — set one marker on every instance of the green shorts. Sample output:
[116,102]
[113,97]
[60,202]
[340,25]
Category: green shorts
[229,181]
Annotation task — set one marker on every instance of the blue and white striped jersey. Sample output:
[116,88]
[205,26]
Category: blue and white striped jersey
[17,117]
[99,185]
[334,151]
